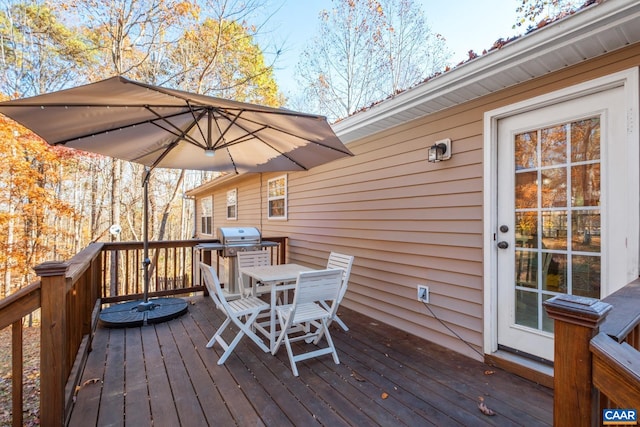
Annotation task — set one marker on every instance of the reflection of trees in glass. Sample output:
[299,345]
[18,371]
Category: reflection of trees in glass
[585,146]
[585,140]
[554,230]
[526,145]
[554,187]
[586,231]
[585,277]
[554,272]
[585,185]
[526,223]
[548,161]
[526,190]
[553,145]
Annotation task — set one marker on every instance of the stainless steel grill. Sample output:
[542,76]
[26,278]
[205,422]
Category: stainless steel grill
[232,240]
[239,239]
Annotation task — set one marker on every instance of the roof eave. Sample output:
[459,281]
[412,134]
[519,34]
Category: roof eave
[214,183]
[589,33]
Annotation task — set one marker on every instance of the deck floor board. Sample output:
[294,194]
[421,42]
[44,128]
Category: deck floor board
[210,399]
[112,400]
[137,409]
[157,381]
[386,377]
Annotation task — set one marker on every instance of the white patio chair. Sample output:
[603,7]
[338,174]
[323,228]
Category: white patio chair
[252,259]
[343,262]
[297,319]
[241,312]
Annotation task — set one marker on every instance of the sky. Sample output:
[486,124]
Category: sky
[465,24]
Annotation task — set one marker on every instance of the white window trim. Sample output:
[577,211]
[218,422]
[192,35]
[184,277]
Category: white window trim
[235,192]
[629,79]
[202,216]
[285,197]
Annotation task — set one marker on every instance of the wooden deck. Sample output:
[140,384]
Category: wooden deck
[163,375]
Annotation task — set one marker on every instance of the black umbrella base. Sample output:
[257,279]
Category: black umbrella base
[137,313]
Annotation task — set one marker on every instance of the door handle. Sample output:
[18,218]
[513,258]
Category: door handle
[503,245]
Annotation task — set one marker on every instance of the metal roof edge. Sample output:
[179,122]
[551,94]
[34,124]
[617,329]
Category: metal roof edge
[531,47]
[222,179]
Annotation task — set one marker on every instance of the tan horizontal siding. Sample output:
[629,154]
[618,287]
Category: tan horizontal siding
[407,221]
[460,213]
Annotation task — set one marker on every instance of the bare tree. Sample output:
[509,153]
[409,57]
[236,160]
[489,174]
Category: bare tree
[365,51]
[340,68]
[412,51]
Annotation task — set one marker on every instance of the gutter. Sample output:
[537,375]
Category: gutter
[471,80]
[194,192]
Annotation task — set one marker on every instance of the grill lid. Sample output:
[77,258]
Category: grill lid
[239,235]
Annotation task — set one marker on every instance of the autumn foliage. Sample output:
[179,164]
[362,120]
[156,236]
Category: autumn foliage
[54,201]
[31,211]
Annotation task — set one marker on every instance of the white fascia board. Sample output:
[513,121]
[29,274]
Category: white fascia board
[544,42]
[216,182]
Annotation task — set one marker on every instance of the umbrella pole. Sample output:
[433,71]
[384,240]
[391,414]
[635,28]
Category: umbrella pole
[145,304]
[139,313]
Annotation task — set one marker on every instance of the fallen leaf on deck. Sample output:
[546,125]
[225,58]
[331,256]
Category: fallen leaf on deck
[79,387]
[384,395]
[90,381]
[485,409]
[489,372]
[357,377]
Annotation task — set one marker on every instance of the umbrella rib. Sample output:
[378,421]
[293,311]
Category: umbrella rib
[233,118]
[173,144]
[250,135]
[197,122]
[231,123]
[127,126]
[179,133]
[253,133]
[164,154]
[283,154]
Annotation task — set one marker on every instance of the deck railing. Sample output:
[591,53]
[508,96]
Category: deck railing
[597,355]
[68,299]
[70,295]
[12,310]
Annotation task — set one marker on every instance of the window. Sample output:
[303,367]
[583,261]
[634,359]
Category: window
[277,197]
[206,215]
[232,204]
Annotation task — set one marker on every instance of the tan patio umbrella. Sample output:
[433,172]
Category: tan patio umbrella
[168,128]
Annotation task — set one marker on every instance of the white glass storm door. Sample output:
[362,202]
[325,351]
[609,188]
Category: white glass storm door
[553,201]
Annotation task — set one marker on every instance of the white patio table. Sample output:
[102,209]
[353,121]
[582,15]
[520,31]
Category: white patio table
[281,277]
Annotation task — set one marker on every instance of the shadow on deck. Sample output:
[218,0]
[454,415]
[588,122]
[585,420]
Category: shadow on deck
[163,375]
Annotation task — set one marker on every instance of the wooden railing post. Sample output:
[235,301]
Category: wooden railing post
[52,342]
[17,359]
[577,320]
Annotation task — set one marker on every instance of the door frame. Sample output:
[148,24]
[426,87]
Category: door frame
[629,79]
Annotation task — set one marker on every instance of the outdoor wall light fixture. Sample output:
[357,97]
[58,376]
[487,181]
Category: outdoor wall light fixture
[439,151]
